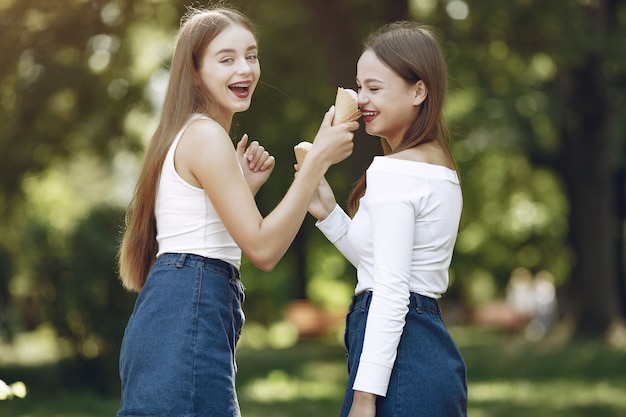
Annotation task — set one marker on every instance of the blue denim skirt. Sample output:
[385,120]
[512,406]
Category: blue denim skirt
[177,357]
[428,377]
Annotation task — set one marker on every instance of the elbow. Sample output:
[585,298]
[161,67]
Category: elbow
[263,260]
[265,265]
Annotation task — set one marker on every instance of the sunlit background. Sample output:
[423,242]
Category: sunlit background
[535,107]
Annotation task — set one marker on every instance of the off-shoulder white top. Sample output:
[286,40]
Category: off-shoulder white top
[400,240]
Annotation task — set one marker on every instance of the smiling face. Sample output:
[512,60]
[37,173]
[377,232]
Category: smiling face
[229,71]
[388,103]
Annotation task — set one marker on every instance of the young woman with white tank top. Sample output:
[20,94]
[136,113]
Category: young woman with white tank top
[192,216]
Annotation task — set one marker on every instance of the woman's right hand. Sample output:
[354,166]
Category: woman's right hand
[363,405]
[333,143]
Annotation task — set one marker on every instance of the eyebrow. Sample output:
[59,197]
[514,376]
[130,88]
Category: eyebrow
[372,80]
[230,50]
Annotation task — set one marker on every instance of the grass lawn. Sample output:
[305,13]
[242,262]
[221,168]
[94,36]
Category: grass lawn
[506,377]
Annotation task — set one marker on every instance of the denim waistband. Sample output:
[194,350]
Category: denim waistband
[188,259]
[416,301]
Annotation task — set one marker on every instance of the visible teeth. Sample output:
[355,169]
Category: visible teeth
[239,86]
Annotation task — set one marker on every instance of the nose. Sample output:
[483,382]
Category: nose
[243,66]
[361,98]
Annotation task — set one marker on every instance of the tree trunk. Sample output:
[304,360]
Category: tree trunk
[589,168]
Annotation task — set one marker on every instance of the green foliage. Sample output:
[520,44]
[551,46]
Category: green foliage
[515,214]
[76,289]
[64,74]
[94,306]
[79,90]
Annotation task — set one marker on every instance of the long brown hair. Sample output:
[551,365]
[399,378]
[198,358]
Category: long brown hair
[183,98]
[411,51]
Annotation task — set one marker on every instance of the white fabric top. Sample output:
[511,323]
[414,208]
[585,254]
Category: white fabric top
[186,219]
[400,240]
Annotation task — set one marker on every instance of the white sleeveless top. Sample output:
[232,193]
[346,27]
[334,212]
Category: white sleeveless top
[186,219]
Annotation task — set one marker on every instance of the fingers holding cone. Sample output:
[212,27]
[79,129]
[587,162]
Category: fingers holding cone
[346,110]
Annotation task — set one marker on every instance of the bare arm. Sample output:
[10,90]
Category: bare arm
[207,152]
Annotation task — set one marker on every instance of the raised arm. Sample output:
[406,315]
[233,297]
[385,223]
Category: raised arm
[206,154]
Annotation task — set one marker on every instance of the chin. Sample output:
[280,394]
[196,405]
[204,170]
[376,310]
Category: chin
[241,108]
[372,132]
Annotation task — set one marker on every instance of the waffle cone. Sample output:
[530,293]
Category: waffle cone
[301,149]
[346,106]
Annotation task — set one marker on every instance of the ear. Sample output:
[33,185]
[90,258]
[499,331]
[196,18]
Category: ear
[420,91]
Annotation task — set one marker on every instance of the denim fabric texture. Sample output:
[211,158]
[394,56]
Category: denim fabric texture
[429,375]
[177,357]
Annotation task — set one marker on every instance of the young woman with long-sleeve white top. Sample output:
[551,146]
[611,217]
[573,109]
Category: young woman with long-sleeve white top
[400,235]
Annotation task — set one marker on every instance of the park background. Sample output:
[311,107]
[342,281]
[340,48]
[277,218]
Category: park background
[537,113]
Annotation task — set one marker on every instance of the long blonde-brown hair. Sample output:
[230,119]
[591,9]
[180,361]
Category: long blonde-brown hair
[183,98]
[411,51]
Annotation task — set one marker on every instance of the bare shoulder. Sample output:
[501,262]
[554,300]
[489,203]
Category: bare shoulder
[204,149]
[428,153]
[204,138]
[203,132]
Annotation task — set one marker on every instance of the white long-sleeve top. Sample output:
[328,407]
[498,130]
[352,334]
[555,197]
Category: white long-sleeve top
[400,240]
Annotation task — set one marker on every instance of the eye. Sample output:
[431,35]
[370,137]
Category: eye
[252,57]
[227,61]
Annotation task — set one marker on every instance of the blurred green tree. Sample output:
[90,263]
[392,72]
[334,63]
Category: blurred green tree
[72,84]
[529,103]
[551,92]
[534,106]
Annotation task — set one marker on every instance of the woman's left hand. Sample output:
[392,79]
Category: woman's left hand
[323,202]
[257,164]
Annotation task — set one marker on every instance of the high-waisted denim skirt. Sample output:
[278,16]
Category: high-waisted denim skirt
[178,353]
[428,377]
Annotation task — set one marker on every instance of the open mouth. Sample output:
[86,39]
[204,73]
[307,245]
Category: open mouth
[241,90]
[368,115]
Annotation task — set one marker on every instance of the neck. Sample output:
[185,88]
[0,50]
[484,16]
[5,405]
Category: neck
[225,121]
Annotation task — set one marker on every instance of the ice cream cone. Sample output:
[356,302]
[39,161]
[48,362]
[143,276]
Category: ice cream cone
[346,106]
[301,149]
